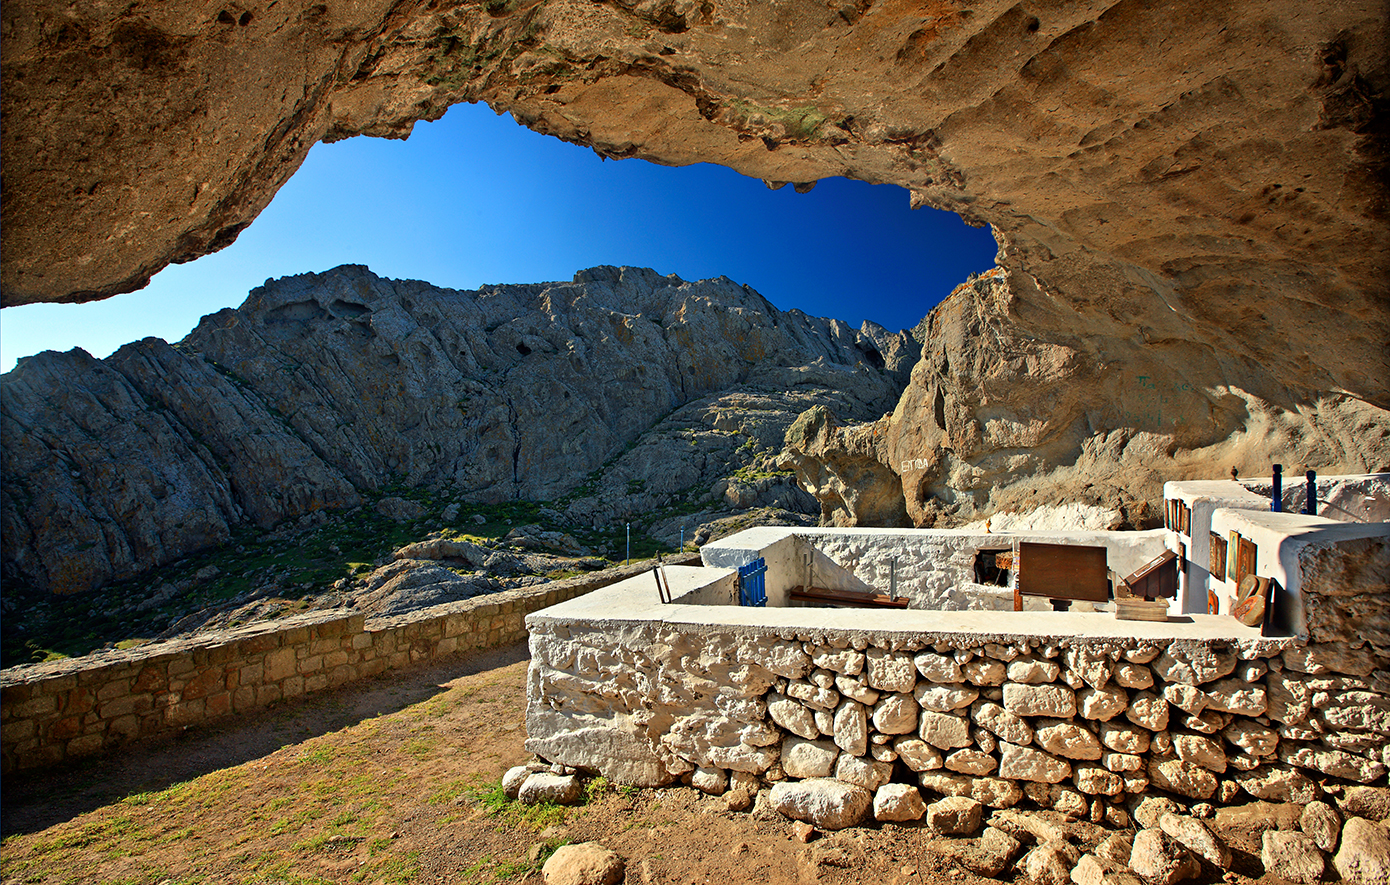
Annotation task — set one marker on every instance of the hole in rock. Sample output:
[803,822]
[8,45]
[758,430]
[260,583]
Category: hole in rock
[474,199]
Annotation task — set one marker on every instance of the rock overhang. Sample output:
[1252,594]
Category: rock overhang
[1158,184]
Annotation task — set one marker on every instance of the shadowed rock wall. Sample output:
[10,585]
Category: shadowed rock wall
[325,386]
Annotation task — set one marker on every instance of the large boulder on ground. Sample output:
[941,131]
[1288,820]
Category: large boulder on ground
[588,863]
[824,802]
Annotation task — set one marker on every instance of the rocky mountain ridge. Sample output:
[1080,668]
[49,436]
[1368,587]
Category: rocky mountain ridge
[621,393]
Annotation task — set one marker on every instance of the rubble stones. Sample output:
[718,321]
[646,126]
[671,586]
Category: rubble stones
[983,671]
[917,754]
[1068,739]
[954,816]
[944,698]
[1039,700]
[938,668]
[1291,856]
[1124,738]
[1059,798]
[1032,672]
[1093,665]
[895,714]
[822,802]
[1183,778]
[890,672]
[1372,803]
[1102,703]
[714,781]
[1364,857]
[852,688]
[1255,739]
[808,759]
[898,802]
[1188,698]
[1236,696]
[943,730]
[994,792]
[970,762]
[1196,837]
[851,728]
[1148,710]
[1130,675]
[1028,764]
[1001,722]
[991,854]
[1050,863]
[1199,750]
[1332,762]
[1161,859]
[1094,780]
[1193,663]
[861,772]
[1278,783]
[1322,824]
[792,716]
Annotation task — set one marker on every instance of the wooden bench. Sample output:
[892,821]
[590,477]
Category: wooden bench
[845,598]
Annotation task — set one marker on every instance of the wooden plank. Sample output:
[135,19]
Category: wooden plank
[842,597]
[1141,610]
[1063,571]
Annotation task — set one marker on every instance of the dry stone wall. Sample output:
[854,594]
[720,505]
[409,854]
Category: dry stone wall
[77,707]
[1075,724]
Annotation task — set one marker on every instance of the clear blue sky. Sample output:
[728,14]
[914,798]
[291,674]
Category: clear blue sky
[475,199]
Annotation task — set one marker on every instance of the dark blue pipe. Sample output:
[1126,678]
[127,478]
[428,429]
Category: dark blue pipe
[1277,505]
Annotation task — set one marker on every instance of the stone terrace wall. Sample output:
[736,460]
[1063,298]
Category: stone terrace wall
[1068,722]
[77,707]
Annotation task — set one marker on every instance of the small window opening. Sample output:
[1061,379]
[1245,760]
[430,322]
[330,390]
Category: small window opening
[990,570]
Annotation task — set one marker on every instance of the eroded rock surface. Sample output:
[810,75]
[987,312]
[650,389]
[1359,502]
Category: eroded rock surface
[1190,199]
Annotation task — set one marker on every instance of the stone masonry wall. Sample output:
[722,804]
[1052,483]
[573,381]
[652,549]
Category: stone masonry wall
[78,707]
[1068,723]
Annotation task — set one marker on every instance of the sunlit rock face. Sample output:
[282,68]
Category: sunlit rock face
[1000,417]
[1190,195]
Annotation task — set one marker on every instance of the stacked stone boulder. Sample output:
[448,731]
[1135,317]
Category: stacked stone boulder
[1084,726]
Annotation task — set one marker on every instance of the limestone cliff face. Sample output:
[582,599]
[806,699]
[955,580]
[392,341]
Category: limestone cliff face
[324,386]
[1187,193]
[995,418]
[1187,170]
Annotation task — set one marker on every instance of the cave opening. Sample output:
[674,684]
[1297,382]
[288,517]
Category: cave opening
[476,199]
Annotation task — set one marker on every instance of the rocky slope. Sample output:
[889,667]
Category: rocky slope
[622,393]
[996,418]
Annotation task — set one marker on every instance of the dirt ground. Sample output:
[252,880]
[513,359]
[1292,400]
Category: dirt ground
[397,780]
